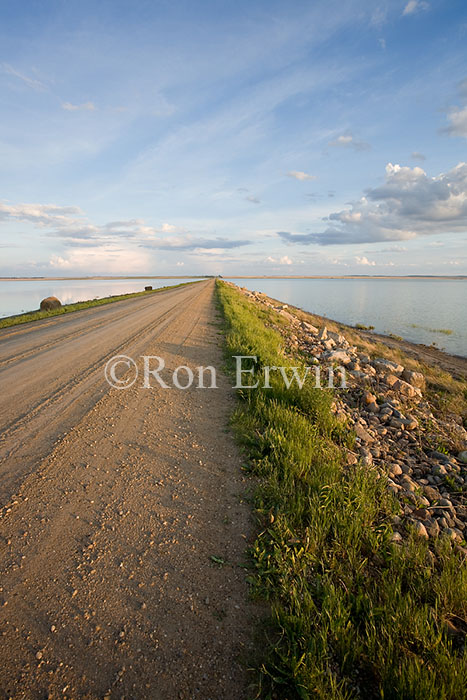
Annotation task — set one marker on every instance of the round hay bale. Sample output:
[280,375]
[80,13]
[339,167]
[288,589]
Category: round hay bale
[50,303]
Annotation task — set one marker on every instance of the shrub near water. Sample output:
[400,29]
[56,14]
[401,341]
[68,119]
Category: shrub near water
[353,615]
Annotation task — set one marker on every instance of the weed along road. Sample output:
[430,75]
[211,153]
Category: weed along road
[123,527]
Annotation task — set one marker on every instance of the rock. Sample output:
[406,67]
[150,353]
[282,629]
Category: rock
[414,378]
[351,458]
[462,456]
[323,333]
[309,328]
[407,423]
[431,493]
[50,304]
[338,356]
[420,529]
[387,366]
[329,344]
[369,398]
[148,288]
[366,456]
[339,339]
[440,456]
[405,388]
[395,470]
[396,537]
[439,470]
[363,434]
[391,379]
[453,534]
[432,527]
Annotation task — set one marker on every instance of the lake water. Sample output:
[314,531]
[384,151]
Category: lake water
[17,296]
[415,309]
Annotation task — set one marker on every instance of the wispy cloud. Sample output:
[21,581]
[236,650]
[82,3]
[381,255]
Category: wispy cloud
[32,83]
[409,204]
[300,175]
[86,107]
[189,242]
[347,140]
[418,156]
[414,6]
[252,199]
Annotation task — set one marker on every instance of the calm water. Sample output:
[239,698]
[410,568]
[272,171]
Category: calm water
[17,296]
[414,309]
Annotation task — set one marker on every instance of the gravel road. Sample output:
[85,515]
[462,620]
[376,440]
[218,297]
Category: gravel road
[113,505]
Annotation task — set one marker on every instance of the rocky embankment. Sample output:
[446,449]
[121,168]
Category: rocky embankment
[397,428]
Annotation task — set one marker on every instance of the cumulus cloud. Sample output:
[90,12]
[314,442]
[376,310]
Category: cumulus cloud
[300,175]
[414,6]
[364,261]
[347,140]
[86,106]
[407,205]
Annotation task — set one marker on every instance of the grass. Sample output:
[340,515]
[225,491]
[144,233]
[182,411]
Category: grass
[353,615]
[78,306]
[362,327]
[445,331]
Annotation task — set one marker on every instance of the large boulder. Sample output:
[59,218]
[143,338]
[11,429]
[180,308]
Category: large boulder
[148,288]
[50,304]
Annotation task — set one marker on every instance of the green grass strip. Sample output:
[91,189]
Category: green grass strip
[77,306]
[353,615]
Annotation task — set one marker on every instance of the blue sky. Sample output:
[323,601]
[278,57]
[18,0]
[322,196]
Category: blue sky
[157,137]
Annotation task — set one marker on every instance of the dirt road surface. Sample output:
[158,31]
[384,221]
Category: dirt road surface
[113,505]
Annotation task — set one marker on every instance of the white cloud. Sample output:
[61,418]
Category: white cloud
[86,106]
[458,118]
[364,261]
[285,260]
[300,175]
[409,204]
[252,199]
[414,6]
[347,140]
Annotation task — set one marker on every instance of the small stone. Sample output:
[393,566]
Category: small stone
[462,456]
[363,434]
[420,529]
[39,655]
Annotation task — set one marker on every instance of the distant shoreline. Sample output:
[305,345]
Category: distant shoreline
[238,277]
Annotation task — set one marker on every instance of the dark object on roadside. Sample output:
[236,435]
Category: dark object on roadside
[50,304]
[148,289]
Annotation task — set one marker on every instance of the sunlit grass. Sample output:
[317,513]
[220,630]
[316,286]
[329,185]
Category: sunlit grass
[352,614]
